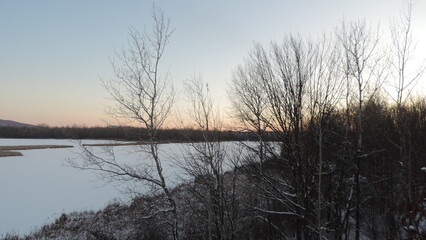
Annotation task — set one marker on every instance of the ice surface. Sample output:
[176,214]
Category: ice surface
[39,186]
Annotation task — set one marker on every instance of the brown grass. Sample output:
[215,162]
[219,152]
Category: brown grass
[30,147]
[114,144]
[131,143]
[9,154]
[7,151]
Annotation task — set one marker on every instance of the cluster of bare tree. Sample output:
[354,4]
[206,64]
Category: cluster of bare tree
[348,155]
[347,163]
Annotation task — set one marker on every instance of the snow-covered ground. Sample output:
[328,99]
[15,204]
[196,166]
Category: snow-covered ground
[39,186]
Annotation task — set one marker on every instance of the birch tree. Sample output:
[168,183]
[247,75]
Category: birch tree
[142,94]
[405,77]
[365,67]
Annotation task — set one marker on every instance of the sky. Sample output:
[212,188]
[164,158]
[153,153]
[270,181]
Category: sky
[53,54]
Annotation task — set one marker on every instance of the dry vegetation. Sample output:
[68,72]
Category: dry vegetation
[9,154]
[8,151]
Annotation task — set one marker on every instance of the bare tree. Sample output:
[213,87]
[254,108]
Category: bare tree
[142,94]
[324,90]
[206,160]
[250,110]
[403,48]
[366,68]
[292,65]
[270,93]
[248,98]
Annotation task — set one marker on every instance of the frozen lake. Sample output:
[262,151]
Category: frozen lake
[39,186]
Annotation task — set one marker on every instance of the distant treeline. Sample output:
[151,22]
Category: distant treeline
[122,133]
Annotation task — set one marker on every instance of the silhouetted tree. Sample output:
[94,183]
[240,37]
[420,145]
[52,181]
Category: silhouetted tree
[142,94]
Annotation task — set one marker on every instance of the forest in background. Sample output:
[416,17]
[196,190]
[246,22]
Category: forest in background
[121,134]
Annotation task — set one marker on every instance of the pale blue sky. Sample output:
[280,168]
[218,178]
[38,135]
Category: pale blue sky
[53,53]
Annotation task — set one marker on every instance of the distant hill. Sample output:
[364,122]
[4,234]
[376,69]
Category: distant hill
[9,123]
